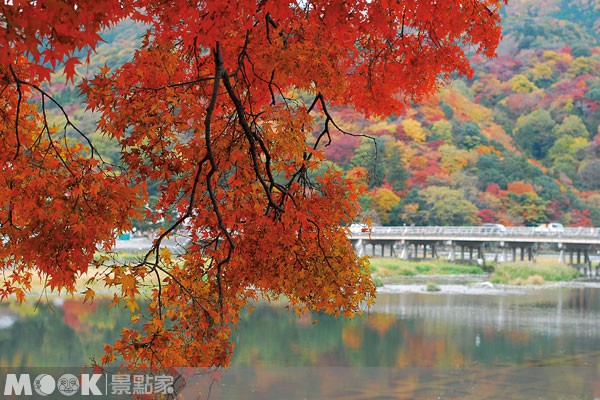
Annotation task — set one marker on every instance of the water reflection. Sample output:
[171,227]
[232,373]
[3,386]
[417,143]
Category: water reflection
[429,330]
[530,344]
[62,333]
[559,311]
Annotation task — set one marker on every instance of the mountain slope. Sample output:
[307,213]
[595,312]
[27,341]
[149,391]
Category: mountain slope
[517,144]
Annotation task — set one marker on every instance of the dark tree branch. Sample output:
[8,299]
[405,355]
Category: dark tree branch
[253,138]
[177,85]
[47,128]
[19,100]
[69,122]
[156,245]
[219,74]
[319,99]
[270,22]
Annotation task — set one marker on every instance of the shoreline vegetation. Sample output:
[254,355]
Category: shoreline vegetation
[388,270]
[395,270]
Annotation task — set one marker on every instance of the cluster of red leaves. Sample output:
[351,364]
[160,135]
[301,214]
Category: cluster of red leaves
[57,203]
[209,109]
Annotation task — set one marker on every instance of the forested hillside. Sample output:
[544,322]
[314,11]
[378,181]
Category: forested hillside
[517,144]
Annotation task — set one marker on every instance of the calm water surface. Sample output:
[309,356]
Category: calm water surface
[480,343]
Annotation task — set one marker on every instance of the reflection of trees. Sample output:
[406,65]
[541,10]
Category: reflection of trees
[78,315]
[74,332]
[270,337]
[403,357]
[416,357]
[53,336]
[584,299]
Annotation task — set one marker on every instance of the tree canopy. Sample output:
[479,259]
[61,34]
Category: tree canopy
[224,107]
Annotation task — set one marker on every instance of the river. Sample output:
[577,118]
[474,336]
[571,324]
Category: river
[463,342]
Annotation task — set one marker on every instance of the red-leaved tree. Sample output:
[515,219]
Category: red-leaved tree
[217,108]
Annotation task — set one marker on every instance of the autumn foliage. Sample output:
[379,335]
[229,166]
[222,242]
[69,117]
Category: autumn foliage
[225,108]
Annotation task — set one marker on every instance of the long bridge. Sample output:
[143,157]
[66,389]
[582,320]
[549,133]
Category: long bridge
[476,242]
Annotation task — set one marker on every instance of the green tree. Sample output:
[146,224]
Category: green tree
[370,154]
[468,135]
[594,91]
[593,204]
[393,168]
[546,188]
[447,110]
[441,130]
[411,210]
[489,169]
[449,207]
[571,126]
[534,133]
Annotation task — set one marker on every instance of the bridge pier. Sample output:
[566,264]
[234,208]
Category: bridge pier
[580,250]
[383,244]
[359,247]
[523,247]
[406,254]
[471,246]
[452,253]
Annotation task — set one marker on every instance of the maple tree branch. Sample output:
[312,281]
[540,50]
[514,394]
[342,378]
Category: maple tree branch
[403,25]
[159,295]
[250,128]
[243,54]
[253,138]
[319,99]
[323,252]
[155,267]
[207,131]
[19,100]
[270,83]
[193,297]
[270,22]
[156,245]
[219,74]
[51,141]
[69,122]
[178,84]
[251,133]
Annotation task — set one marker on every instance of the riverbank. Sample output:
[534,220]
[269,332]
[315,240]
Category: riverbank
[444,286]
[389,270]
[397,271]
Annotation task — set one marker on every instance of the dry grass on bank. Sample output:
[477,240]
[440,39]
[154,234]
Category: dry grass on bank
[533,273]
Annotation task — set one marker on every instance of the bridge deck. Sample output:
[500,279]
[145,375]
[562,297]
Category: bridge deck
[585,236]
